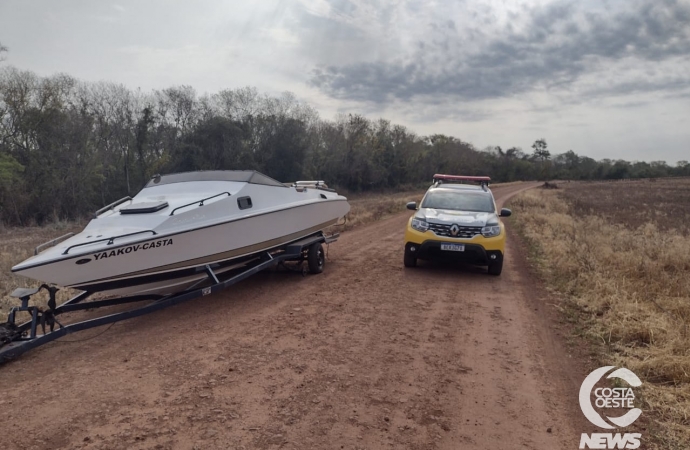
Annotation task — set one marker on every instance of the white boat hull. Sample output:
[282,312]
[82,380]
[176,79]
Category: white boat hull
[123,252]
[167,253]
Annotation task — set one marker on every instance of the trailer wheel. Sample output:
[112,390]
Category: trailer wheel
[316,258]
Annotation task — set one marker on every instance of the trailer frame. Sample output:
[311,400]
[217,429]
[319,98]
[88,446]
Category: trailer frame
[16,339]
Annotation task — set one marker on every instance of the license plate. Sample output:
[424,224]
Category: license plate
[453,247]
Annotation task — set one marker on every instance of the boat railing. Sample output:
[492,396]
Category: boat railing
[315,184]
[110,240]
[111,206]
[200,202]
[52,242]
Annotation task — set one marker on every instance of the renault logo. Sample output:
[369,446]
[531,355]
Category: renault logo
[454,229]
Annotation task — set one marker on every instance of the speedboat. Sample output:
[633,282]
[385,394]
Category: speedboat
[178,224]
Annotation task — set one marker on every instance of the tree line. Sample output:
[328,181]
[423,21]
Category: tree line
[69,147]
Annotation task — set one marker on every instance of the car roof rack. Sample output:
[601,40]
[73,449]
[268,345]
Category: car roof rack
[440,178]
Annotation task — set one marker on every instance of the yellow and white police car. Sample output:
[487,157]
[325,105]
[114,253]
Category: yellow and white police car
[459,222]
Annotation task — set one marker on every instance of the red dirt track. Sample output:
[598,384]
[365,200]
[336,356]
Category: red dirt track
[367,355]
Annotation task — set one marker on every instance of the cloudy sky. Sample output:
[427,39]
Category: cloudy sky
[605,78]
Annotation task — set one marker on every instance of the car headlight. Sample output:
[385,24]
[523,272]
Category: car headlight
[420,225]
[491,230]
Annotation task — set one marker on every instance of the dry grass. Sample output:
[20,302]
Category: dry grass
[368,208]
[622,265]
[17,244]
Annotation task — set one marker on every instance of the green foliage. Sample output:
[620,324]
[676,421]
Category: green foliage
[10,170]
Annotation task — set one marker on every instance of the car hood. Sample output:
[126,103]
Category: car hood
[462,218]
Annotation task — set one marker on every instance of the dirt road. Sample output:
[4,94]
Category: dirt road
[367,355]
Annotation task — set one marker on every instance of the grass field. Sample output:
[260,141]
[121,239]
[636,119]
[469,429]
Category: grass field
[666,204]
[619,256]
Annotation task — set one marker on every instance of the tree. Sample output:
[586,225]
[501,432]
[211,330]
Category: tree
[619,170]
[356,129]
[142,138]
[10,177]
[540,150]
[682,168]
[284,149]
[213,144]
[514,153]
[3,49]
[69,147]
[238,104]
[571,159]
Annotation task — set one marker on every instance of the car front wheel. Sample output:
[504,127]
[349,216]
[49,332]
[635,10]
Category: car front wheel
[410,260]
[496,267]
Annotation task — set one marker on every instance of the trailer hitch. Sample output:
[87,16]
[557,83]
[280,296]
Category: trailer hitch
[9,331]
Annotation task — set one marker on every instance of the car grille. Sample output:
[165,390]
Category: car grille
[463,232]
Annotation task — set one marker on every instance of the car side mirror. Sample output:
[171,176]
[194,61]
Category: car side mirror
[505,212]
[412,206]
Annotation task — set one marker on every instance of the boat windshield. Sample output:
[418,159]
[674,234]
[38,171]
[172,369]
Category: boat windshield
[459,201]
[245,176]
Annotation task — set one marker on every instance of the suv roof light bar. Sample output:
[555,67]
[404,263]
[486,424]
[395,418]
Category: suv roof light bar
[441,178]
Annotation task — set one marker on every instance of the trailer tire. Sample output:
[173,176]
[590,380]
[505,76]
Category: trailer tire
[316,258]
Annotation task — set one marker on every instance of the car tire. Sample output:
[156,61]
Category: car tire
[410,260]
[496,267]
[316,258]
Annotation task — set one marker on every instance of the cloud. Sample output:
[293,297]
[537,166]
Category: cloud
[282,36]
[562,46]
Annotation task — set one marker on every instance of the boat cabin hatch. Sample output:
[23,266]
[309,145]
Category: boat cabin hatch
[143,207]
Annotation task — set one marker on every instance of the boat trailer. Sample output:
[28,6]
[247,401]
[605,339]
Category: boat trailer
[16,339]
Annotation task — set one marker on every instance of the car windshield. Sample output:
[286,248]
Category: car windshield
[459,201]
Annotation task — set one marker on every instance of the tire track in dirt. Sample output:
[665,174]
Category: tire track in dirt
[366,355]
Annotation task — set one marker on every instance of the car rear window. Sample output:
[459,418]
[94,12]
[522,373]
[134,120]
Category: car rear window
[459,201]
